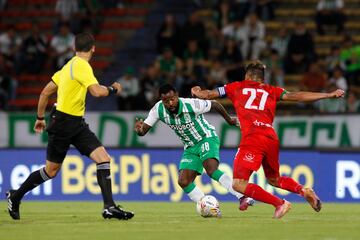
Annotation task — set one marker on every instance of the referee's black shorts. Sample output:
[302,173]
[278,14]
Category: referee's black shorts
[65,129]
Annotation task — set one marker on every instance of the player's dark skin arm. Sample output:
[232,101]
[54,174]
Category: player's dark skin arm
[141,128]
[220,109]
[311,96]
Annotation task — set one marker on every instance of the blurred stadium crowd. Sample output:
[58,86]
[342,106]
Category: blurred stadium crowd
[310,45]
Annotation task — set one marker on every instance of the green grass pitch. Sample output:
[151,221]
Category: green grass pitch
[159,220]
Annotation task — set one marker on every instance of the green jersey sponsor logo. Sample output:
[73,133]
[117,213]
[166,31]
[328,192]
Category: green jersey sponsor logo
[190,126]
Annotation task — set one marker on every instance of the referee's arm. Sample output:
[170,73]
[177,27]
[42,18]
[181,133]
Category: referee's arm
[98,90]
[48,90]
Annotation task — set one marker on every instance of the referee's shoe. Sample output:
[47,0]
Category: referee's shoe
[117,212]
[13,206]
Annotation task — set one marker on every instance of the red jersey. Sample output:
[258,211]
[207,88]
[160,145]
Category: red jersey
[255,105]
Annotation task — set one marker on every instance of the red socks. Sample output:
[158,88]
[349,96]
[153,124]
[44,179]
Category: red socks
[290,185]
[256,192]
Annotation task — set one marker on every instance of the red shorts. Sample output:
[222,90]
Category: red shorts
[253,152]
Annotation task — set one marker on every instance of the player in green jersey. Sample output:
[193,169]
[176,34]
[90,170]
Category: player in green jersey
[201,143]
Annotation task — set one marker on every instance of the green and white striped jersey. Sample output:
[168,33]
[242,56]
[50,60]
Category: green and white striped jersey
[188,123]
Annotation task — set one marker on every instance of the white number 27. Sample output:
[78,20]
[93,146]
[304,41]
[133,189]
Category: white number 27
[253,91]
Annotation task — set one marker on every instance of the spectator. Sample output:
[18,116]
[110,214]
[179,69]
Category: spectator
[169,67]
[232,59]
[274,74]
[120,4]
[351,56]
[241,8]
[254,42]
[91,16]
[235,30]
[194,53]
[62,45]
[194,29]
[239,32]
[189,80]
[300,50]
[352,103]
[314,80]
[150,83]
[129,98]
[68,11]
[215,41]
[194,60]
[4,83]
[330,12]
[10,45]
[108,4]
[334,60]
[3,4]
[213,56]
[263,8]
[91,7]
[168,35]
[223,14]
[332,105]
[3,95]
[280,42]
[7,84]
[216,76]
[338,79]
[34,51]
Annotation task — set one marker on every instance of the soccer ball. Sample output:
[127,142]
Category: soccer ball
[208,206]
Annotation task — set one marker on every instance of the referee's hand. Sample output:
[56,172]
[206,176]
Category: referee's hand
[40,125]
[117,86]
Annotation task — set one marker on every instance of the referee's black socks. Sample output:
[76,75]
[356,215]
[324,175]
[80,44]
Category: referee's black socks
[35,179]
[40,176]
[104,181]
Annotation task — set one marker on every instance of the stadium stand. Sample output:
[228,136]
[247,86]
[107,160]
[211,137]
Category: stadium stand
[117,27]
[128,38]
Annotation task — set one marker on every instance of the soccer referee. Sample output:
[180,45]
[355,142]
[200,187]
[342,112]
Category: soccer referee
[67,126]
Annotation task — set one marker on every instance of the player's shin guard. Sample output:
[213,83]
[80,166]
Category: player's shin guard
[256,192]
[194,193]
[289,184]
[35,179]
[104,181]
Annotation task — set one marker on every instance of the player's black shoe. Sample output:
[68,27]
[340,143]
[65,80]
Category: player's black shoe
[13,206]
[117,212]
